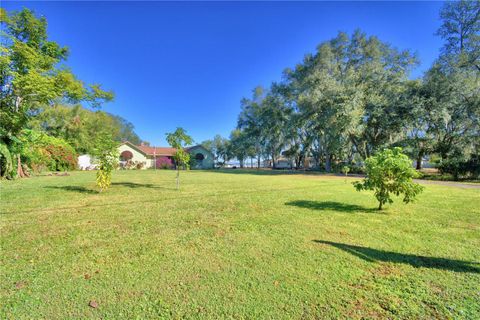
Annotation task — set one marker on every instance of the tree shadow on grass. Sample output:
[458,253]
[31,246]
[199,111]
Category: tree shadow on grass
[261,172]
[89,191]
[74,189]
[278,172]
[374,255]
[134,185]
[331,205]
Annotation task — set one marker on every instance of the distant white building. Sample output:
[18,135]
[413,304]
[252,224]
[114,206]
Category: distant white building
[84,162]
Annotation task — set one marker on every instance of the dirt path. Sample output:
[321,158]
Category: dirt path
[464,185]
[451,184]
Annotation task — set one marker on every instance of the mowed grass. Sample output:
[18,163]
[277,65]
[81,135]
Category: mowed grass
[234,245]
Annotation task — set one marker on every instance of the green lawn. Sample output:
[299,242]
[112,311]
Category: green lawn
[234,245]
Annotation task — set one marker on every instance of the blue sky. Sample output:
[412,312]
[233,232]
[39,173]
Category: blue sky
[188,64]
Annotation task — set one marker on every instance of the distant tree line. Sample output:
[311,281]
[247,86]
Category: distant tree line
[80,126]
[353,97]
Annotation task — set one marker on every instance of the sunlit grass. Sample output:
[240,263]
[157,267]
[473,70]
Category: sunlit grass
[234,245]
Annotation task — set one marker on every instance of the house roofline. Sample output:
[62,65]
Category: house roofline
[160,154]
[133,146]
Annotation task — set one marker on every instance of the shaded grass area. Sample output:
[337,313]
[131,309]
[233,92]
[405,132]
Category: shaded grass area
[331,206]
[372,255]
[234,246]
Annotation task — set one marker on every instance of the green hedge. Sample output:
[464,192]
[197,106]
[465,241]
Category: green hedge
[41,151]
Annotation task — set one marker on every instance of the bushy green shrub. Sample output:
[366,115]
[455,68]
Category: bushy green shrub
[352,167]
[6,163]
[390,172]
[460,167]
[358,169]
[106,155]
[41,151]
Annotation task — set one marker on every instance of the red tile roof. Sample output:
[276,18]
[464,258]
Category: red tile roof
[159,151]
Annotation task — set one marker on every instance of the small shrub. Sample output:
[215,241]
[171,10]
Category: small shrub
[128,165]
[357,169]
[106,155]
[139,164]
[62,157]
[459,167]
[390,171]
[6,163]
[164,163]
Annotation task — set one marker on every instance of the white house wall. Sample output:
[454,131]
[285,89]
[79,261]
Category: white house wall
[137,156]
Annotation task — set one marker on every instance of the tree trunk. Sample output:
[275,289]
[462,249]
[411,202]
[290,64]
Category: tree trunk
[298,161]
[20,172]
[273,161]
[327,162]
[419,160]
[367,151]
[241,163]
[380,206]
[178,178]
[419,163]
[258,162]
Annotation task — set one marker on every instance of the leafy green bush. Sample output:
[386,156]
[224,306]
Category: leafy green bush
[459,167]
[6,163]
[41,151]
[357,169]
[106,155]
[390,171]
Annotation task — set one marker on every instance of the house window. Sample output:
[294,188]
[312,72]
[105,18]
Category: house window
[199,157]
[126,155]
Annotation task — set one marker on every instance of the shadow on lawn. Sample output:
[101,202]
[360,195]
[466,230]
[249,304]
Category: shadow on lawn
[90,191]
[261,172]
[278,172]
[136,185]
[373,255]
[331,205]
[74,188]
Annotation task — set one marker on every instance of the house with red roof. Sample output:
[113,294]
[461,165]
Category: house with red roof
[162,157]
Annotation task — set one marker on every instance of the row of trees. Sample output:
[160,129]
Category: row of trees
[80,127]
[353,97]
[41,121]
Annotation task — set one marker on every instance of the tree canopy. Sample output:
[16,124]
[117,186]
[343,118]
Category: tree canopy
[390,172]
[80,126]
[354,97]
[38,91]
